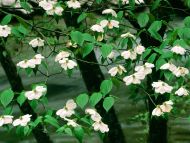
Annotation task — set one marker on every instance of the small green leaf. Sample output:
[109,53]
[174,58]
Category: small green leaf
[154,28]
[52,121]
[81,17]
[21,98]
[77,37]
[7,19]
[87,49]
[152,58]
[79,133]
[108,103]
[187,21]
[95,98]
[106,50]
[82,100]
[6,97]
[106,87]
[143,19]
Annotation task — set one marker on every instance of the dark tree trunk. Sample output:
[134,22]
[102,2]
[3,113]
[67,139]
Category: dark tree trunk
[17,86]
[93,76]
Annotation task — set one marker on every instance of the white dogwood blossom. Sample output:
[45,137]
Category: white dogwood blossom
[180,71]
[67,110]
[167,106]
[100,126]
[51,7]
[97,28]
[73,4]
[111,55]
[37,42]
[67,64]
[118,69]
[161,87]
[157,111]
[36,93]
[62,55]
[71,123]
[128,35]
[134,78]
[182,92]
[178,50]
[32,63]
[7,2]
[130,54]
[6,119]
[109,11]
[168,66]
[5,30]
[139,49]
[110,24]
[22,121]
[146,68]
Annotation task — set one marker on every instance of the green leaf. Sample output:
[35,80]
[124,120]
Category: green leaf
[79,133]
[95,98]
[51,120]
[77,37]
[187,21]
[184,33]
[159,63]
[7,19]
[106,87]
[21,98]
[146,53]
[6,97]
[156,4]
[26,6]
[154,28]
[106,50]
[143,19]
[152,58]
[87,49]
[81,17]
[68,131]
[82,100]
[108,103]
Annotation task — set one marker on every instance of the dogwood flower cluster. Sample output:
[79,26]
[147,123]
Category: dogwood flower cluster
[98,125]
[177,71]
[22,121]
[161,87]
[118,69]
[166,107]
[140,74]
[64,61]
[37,42]
[178,50]
[51,7]
[6,119]
[132,53]
[68,111]
[5,30]
[32,63]
[73,4]
[36,93]
[182,92]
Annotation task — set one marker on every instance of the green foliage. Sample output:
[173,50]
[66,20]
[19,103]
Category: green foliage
[106,50]
[108,103]
[87,49]
[142,19]
[6,97]
[95,98]
[106,87]
[82,100]
[7,19]
[82,17]
[79,133]
[51,120]
[21,98]
[154,28]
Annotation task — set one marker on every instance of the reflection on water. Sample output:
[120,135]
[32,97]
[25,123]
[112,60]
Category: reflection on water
[61,88]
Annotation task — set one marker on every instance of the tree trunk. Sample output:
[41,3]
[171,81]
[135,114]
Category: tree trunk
[93,76]
[17,86]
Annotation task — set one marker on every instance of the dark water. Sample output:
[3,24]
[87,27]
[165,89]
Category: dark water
[61,88]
